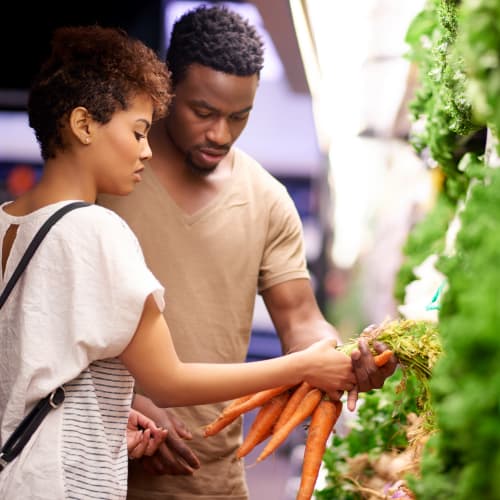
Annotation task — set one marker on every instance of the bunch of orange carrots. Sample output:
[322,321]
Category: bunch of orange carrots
[282,409]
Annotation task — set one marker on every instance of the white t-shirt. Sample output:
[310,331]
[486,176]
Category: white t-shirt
[73,311]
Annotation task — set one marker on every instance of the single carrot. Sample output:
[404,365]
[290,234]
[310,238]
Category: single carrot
[382,358]
[292,404]
[235,402]
[218,424]
[222,421]
[258,399]
[305,409]
[262,425]
[323,421]
[231,414]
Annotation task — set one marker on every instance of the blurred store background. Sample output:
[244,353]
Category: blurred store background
[330,121]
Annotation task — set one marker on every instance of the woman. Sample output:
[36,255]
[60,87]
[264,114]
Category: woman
[86,312]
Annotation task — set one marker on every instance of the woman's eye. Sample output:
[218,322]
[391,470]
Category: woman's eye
[139,136]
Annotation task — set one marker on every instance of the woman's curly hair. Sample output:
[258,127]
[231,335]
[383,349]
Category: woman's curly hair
[215,37]
[101,69]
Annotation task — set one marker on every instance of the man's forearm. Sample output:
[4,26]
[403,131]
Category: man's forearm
[147,407]
[303,335]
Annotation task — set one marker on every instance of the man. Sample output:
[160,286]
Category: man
[216,228]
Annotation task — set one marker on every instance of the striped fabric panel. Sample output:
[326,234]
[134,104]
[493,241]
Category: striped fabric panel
[94,453]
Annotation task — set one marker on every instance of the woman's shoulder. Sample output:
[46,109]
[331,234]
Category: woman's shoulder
[98,217]
[94,223]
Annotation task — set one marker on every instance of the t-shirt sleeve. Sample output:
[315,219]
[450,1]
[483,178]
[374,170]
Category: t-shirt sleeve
[111,282]
[284,256]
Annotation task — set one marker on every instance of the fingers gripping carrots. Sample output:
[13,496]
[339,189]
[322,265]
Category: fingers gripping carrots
[251,401]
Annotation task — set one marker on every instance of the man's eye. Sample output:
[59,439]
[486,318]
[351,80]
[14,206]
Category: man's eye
[239,118]
[202,114]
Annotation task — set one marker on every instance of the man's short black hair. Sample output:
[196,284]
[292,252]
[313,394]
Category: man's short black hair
[215,37]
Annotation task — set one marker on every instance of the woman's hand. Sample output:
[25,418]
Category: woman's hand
[143,436]
[332,370]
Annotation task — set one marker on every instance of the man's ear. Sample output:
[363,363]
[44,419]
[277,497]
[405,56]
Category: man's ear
[80,123]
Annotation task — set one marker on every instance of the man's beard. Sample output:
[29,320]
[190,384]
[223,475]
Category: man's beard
[197,170]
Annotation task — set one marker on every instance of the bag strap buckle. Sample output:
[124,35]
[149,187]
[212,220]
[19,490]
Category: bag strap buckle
[56,397]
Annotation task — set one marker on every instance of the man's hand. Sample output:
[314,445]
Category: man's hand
[368,375]
[143,436]
[173,456]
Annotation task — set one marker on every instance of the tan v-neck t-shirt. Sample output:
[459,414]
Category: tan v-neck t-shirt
[212,263]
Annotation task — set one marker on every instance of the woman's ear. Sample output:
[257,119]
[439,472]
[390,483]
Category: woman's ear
[80,123]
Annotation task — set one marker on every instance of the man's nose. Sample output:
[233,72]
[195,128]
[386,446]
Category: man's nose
[219,132]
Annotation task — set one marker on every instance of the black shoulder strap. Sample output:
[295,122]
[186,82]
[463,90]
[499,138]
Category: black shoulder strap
[35,242]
